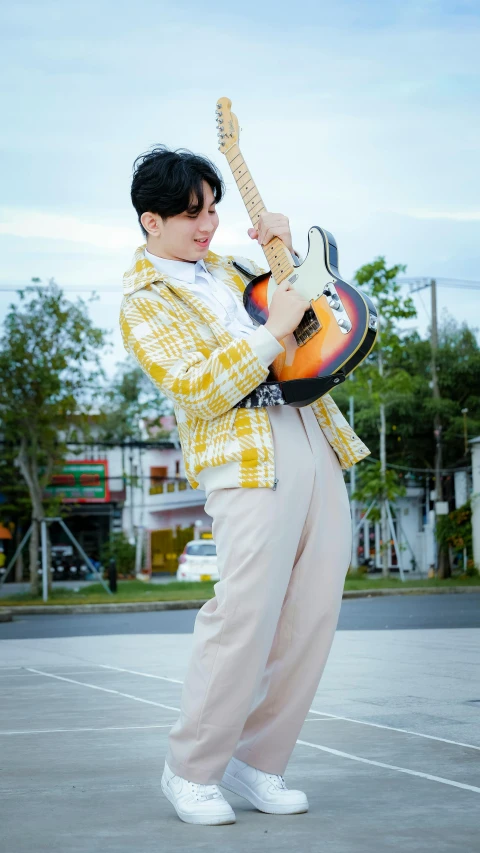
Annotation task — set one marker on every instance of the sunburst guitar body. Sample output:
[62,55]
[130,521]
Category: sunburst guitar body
[339,329]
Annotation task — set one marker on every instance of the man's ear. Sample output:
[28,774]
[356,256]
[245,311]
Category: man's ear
[151,223]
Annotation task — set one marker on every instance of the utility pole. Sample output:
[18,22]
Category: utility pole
[419,284]
[384,526]
[465,430]
[132,513]
[353,503]
[437,426]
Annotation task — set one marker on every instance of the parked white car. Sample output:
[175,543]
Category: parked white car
[198,561]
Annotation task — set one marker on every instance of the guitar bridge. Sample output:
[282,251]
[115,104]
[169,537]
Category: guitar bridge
[307,328]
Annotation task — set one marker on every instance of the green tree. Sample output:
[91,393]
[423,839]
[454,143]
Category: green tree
[381,382]
[409,435]
[50,369]
[128,398]
[14,502]
[119,549]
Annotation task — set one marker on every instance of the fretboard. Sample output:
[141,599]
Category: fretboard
[278,257]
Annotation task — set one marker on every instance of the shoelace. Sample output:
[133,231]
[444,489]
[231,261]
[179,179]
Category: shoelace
[205,792]
[278,781]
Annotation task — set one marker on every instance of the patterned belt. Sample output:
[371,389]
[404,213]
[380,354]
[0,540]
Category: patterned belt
[293,392]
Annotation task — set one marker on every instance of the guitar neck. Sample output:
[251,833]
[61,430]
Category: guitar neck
[278,257]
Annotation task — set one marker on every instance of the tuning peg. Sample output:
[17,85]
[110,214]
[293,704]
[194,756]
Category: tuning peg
[219,106]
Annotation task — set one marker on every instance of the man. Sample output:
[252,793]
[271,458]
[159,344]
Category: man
[274,486]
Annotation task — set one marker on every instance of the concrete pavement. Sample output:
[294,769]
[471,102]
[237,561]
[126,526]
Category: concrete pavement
[389,754]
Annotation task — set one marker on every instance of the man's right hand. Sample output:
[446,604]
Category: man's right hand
[286,310]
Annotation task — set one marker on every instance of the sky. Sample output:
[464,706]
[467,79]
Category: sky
[359,116]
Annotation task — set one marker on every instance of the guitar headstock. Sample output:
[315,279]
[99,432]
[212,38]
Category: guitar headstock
[227,125]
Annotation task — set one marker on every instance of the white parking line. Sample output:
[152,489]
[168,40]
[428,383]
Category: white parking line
[145,674]
[318,720]
[392,767]
[312,711]
[92,729]
[393,729]
[348,755]
[103,689]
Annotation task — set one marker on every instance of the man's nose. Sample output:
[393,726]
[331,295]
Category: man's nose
[206,225]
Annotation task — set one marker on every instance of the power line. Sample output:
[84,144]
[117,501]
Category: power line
[431,471]
[81,289]
[419,282]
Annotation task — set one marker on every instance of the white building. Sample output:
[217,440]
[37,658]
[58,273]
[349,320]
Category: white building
[139,488]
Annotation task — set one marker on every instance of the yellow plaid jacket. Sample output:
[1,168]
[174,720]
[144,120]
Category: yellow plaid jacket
[192,358]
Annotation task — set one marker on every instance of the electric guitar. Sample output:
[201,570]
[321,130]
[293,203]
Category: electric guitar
[339,329]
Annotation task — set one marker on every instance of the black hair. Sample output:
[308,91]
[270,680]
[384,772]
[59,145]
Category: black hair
[169,182]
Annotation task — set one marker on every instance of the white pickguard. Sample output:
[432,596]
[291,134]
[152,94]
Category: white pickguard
[312,274]
[310,279]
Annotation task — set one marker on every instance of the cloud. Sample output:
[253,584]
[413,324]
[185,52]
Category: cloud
[453,215]
[51,226]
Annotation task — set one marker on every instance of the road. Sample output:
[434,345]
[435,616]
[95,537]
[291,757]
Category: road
[362,614]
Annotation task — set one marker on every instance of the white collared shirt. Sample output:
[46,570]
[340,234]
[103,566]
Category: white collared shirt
[210,290]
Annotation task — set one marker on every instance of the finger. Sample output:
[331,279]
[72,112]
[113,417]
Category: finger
[253,233]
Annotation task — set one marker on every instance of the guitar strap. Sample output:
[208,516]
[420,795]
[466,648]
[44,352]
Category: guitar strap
[293,392]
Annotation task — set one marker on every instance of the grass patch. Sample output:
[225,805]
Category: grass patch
[126,591]
[358,580]
[133,591]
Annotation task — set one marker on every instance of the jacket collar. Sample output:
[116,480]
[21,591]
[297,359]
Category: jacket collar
[142,274]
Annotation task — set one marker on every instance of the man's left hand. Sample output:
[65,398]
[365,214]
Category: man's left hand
[272,225]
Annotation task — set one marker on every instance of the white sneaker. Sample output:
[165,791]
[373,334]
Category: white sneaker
[266,791]
[195,803]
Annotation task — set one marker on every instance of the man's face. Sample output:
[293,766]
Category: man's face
[183,237]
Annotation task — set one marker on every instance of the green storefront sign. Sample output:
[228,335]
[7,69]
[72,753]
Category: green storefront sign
[83,481]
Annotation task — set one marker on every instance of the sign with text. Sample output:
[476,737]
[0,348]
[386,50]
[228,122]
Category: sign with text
[81,481]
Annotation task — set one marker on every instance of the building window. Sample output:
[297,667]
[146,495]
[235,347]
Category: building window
[157,475]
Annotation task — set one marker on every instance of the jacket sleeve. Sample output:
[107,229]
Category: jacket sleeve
[349,448]
[205,384]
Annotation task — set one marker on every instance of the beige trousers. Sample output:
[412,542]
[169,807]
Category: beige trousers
[261,644]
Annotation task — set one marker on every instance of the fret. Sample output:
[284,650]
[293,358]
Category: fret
[253,202]
[245,183]
[259,206]
[243,178]
[240,172]
[277,255]
[232,155]
[247,188]
[250,194]
[279,260]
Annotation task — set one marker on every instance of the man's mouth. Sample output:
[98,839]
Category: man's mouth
[203,242]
